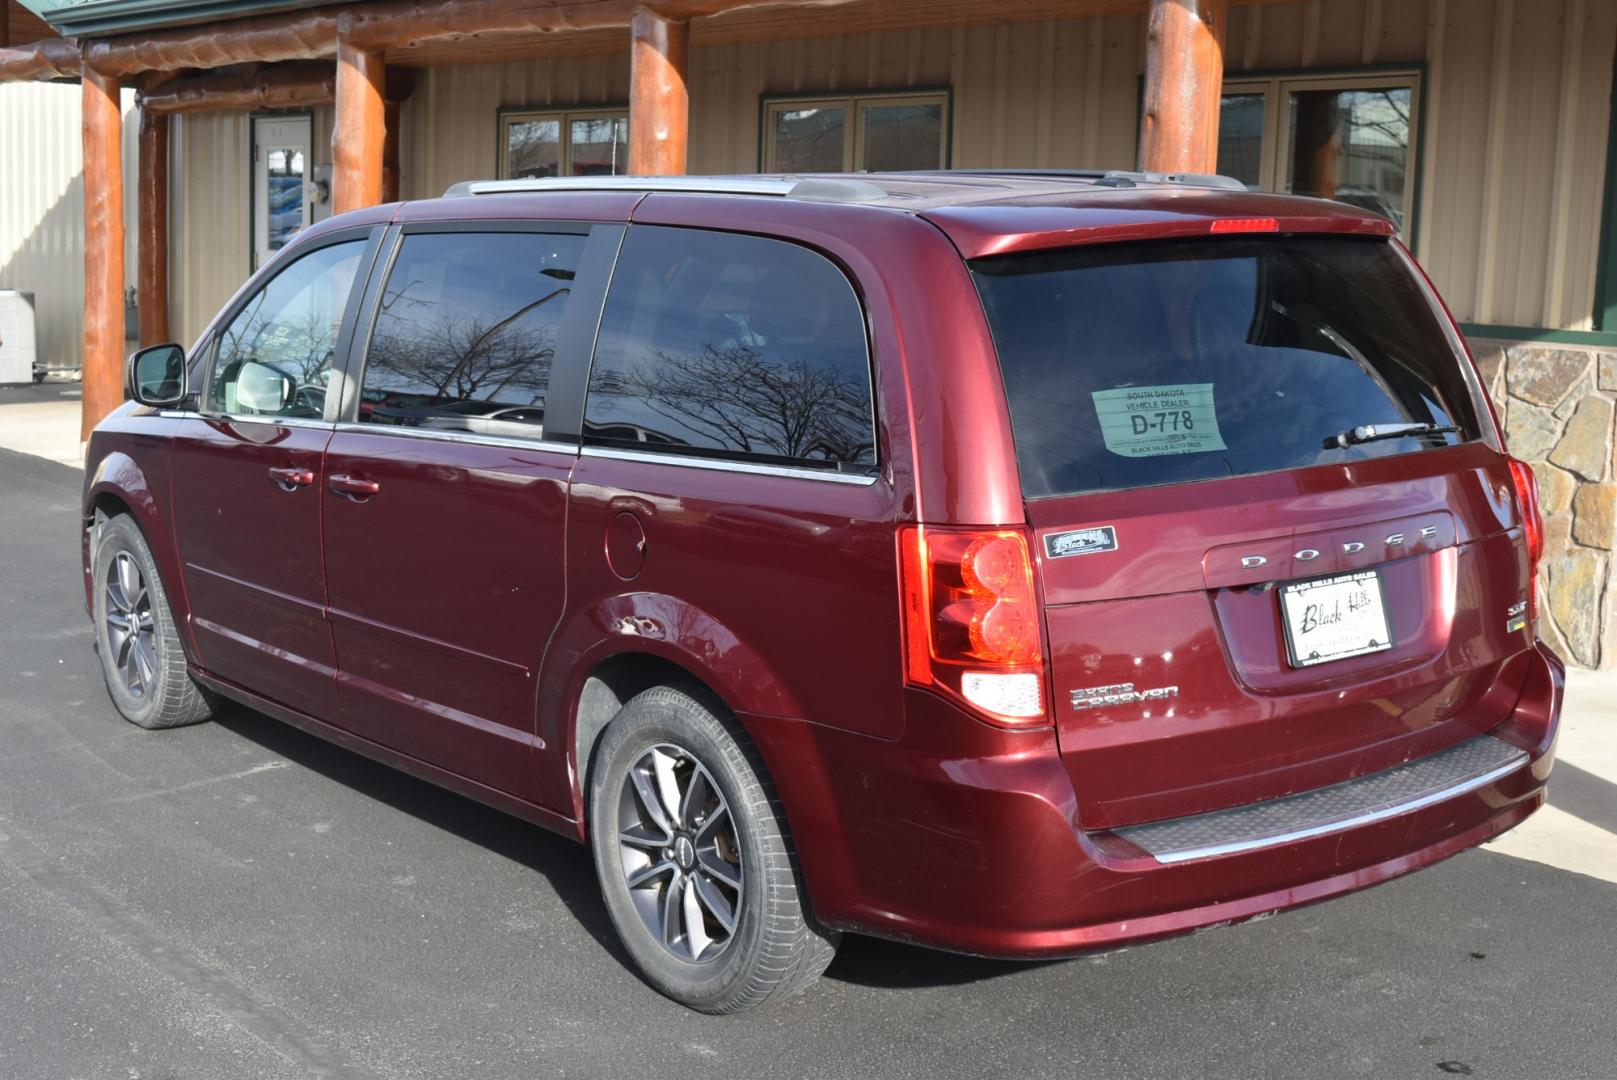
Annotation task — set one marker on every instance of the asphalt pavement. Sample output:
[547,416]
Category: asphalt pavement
[241,900]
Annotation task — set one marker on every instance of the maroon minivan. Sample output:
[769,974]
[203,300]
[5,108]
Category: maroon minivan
[1013,564]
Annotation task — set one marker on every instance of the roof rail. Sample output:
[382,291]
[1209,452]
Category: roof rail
[812,188]
[1105,177]
[724,185]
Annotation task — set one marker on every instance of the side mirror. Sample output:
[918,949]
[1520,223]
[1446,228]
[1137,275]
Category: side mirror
[263,389]
[157,375]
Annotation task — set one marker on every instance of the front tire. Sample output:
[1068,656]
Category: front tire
[139,646]
[695,860]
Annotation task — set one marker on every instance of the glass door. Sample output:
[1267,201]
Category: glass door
[281,194]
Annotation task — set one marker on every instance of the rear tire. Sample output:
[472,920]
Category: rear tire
[681,809]
[139,646]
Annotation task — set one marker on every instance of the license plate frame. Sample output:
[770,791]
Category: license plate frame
[1367,624]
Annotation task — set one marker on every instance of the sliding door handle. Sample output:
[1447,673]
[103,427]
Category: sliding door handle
[290,477]
[352,486]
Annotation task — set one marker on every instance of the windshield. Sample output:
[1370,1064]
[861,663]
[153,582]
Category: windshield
[1157,363]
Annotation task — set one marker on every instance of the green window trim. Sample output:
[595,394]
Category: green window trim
[1597,338]
[1605,313]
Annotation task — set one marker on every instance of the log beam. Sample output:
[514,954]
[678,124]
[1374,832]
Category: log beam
[359,135]
[659,103]
[287,86]
[151,229]
[52,58]
[103,250]
[313,33]
[1184,74]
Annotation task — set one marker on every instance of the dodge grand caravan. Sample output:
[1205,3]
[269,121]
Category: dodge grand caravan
[1018,565]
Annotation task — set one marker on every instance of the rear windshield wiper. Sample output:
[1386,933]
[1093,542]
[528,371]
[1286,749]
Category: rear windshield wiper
[1375,432]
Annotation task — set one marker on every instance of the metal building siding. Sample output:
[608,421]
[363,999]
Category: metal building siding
[1515,109]
[449,124]
[1033,93]
[210,216]
[42,209]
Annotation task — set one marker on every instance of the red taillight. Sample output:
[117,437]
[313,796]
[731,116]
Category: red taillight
[1527,500]
[1251,224]
[971,620]
[1532,529]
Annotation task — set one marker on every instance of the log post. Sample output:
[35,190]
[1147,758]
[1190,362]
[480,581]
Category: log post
[659,104]
[103,250]
[151,273]
[1184,74]
[358,135]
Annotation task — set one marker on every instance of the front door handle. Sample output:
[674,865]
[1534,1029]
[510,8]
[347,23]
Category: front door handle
[290,477]
[352,486]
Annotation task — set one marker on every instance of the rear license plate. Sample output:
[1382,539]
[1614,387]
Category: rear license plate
[1334,618]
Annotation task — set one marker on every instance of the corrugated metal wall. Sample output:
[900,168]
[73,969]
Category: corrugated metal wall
[210,244]
[210,239]
[1515,115]
[42,209]
[450,122]
[1516,111]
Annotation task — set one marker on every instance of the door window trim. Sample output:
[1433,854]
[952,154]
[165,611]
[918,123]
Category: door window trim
[583,312]
[284,260]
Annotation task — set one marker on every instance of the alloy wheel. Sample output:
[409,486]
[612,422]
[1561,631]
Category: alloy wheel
[680,854]
[131,639]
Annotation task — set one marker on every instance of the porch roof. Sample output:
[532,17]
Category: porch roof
[73,18]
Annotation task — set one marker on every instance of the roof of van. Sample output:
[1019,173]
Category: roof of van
[912,191]
[984,212]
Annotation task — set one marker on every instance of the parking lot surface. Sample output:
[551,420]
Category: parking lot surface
[243,900]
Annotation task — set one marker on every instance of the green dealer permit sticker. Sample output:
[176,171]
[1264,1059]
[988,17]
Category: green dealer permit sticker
[1148,421]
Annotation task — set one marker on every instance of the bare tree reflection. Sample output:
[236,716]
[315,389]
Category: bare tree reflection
[450,356]
[732,397]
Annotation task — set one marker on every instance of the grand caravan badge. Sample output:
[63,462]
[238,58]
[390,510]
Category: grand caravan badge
[1080,542]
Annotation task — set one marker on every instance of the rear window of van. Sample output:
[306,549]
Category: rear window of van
[1173,361]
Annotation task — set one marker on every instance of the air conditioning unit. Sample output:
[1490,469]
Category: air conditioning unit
[17,351]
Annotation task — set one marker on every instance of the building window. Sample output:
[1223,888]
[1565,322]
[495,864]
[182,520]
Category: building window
[1350,138]
[569,143]
[870,132]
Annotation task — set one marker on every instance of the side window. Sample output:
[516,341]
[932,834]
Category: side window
[466,332]
[734,346]
[274,359]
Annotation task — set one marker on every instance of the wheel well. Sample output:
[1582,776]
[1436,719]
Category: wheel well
[103,507]
[609,687]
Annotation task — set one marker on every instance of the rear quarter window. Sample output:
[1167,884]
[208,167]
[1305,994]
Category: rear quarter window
[740,347]
[1173,361]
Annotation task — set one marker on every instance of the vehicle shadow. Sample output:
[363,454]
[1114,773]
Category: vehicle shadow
[1584,795]
[567,866]
[893,965]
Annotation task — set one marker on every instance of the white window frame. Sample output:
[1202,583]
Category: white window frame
[853,134]
[565,118]
[1276,148]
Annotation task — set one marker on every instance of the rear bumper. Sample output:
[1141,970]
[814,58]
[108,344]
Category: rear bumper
[963,838]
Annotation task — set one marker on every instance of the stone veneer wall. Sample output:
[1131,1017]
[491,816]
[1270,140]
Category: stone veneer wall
[1557,404]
